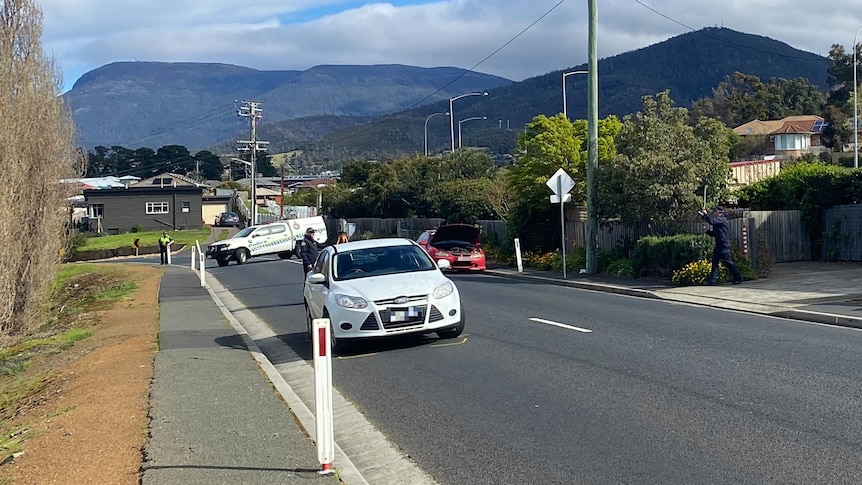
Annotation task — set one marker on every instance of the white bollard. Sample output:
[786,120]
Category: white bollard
[169,253]
[194,256]
[518,255]
[202,260]
[325,434]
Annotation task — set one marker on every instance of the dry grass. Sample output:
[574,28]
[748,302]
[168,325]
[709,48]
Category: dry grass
[37,152]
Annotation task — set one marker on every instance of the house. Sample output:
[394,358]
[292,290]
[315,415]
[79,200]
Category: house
[790,137]
[165,201]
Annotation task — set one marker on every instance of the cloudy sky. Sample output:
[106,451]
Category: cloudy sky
[298,34]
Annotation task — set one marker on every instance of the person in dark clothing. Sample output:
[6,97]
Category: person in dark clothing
[308,249]
[721,253]
[164,246]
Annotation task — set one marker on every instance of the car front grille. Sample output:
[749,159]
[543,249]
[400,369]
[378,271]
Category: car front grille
[410,299]
[370,323]
[415,315]
[434,315]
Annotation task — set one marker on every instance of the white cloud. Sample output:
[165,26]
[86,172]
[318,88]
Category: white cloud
[299,34]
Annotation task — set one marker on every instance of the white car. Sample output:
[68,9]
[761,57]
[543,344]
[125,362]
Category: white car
[280,237]
[381,288]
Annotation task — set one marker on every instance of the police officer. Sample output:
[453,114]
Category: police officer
[164,245]
[721,253]
[308,249]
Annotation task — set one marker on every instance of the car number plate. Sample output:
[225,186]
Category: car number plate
[405,314]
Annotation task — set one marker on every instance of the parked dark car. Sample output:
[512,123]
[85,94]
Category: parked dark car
[227,219]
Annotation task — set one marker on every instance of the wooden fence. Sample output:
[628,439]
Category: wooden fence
[783,232]
[842,233]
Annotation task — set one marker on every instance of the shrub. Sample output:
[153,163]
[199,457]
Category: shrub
[697,273]
[661,256]
[764,255]
[621,268]
[138,228]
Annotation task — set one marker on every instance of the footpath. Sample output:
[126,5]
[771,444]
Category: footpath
[218,419]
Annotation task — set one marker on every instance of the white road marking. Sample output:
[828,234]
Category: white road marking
[561,325]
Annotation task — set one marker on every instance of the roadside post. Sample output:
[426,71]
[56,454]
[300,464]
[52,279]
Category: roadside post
[169,253]
[194,256]
[518,255]
[324,433]
[202,264]
[560,183]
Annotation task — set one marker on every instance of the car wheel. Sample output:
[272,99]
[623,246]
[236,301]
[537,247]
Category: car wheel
[241,255]
[222,262]
[285,254]
[455,331]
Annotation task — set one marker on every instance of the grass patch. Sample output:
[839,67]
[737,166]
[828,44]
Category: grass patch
[147,238]
[222,235]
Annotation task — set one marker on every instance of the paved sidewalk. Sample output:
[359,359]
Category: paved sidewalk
[216,418]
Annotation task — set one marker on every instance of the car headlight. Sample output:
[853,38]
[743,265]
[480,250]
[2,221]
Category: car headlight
[441,254]
[443,290]
[351,301]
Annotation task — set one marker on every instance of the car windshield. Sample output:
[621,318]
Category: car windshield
[361,263]
[245,232]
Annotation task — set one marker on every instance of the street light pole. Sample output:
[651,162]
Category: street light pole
[565,113]
[462,121]
[452,115]
[855,107]
[426,129]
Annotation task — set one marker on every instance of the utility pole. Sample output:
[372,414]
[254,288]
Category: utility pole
[252,111]
[592,138]
[281,204]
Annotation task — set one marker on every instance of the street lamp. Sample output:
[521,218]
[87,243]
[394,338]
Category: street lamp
[452,115]
[465,120]
[565,113]
[320,188]
[855,107]
[426,129]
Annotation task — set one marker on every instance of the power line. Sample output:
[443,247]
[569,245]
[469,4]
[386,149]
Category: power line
[639,2]
[492,54]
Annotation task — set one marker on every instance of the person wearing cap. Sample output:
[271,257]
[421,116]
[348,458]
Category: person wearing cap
[721,253]
[164,244]
[308,249]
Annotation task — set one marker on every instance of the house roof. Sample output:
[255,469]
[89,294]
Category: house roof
[312,184]
[792,129]
[809,124]
[168,179]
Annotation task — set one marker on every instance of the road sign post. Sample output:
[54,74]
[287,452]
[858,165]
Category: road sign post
[560,183]
[325,435]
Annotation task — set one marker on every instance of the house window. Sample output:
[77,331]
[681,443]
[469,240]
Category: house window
[157,208]
[97,210]
[186,206]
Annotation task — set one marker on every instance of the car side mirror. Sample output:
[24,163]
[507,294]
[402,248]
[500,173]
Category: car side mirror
[444,264]
[318,278]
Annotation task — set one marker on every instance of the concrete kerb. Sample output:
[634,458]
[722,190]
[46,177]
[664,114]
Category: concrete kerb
[584,285]
[748,307]
[347,471]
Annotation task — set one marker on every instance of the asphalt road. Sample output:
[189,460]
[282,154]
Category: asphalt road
[559,385]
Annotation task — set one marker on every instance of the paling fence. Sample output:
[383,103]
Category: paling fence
[782,233]
[842,233]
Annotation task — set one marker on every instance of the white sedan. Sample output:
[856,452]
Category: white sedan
[381,288]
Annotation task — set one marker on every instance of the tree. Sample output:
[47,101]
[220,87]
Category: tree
[38,153]
[663,165]
[208,165]
[548,145]
[741,98]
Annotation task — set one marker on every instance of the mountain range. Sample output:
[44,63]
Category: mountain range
[337,113]
[135,104]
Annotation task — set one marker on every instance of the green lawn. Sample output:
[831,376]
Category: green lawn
[149,238]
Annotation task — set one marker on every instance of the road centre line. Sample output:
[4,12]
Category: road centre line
[561,325]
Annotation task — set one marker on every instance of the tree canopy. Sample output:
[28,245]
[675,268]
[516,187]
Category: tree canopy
[663,165]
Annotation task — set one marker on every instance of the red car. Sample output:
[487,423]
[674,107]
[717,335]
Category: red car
[458,243]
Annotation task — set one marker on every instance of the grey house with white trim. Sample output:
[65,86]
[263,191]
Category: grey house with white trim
[166,201]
